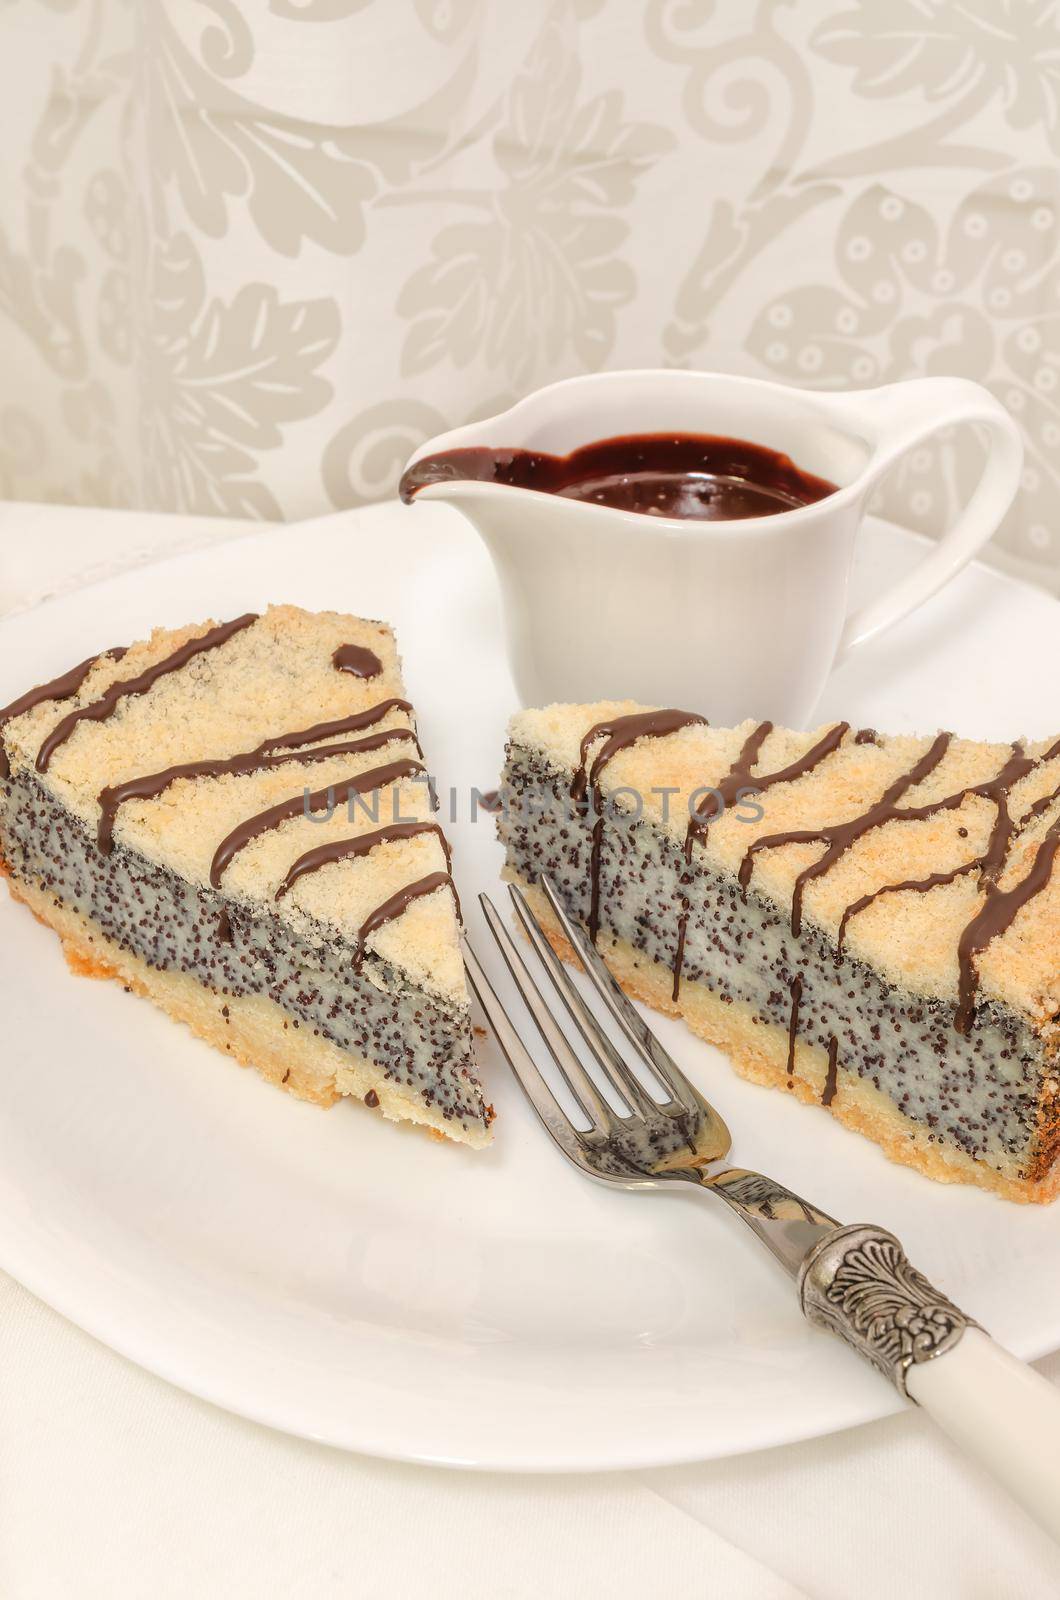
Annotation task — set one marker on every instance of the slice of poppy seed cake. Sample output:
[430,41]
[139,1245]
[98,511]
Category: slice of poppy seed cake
[234,819]
[871,922]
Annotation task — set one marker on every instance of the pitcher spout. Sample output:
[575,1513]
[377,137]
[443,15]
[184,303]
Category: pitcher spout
[448,474]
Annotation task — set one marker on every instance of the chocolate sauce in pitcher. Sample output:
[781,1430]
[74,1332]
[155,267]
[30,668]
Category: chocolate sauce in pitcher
[699,477]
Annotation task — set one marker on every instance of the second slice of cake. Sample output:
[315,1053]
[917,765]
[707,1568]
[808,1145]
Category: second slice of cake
[870,922]
[235,820]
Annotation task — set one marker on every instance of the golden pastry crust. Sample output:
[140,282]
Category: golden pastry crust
[249,1029]
[911,938]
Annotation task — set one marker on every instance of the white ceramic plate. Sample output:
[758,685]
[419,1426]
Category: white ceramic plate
[360,1284]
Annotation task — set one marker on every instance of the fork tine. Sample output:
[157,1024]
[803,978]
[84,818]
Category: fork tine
[624,1012]
[533,1085]
[622,1080]
[588,1098]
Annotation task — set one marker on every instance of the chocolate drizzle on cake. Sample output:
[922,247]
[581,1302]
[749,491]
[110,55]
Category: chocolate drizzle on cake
[831,1077]
[738,777]
[679,956]
[358,660]
[343,849]
[99,710]
[741,779]
[996,912]
[741,776]
[998,909]
[63,687]
[994,917]
[284,751]
[327,730]
[303,805]
[618,734]
[795,990]
[919,885]
[841,835]
[398,904]
[1040,806]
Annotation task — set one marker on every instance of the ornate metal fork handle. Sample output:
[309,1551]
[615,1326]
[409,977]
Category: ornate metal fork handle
[860,1284]
[855,1281]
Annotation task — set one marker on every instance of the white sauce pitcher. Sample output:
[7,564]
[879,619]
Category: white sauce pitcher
[737,619]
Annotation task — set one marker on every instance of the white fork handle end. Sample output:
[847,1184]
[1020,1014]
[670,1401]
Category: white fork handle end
[859,1283]
[1002,1414]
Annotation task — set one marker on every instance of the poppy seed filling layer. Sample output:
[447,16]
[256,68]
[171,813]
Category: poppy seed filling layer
[979,1093]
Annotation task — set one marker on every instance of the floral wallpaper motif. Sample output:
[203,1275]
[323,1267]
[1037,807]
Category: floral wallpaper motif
[253,251]
[534,272]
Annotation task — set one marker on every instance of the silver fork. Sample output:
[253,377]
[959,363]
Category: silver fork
[855,1281]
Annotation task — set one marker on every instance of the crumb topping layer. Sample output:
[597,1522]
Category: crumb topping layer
[931,858]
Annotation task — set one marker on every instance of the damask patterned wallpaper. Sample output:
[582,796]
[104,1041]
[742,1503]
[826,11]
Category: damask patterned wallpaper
[252,251]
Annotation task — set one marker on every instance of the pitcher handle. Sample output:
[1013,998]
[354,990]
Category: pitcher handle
[899,417]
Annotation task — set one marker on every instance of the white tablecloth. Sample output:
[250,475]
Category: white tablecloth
[113,1484]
